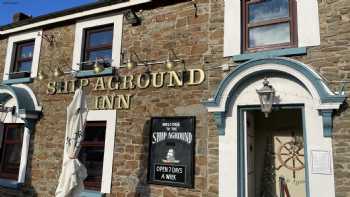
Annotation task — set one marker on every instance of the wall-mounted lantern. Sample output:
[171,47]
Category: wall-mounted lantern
[132,61]
[6,110]
[266,97]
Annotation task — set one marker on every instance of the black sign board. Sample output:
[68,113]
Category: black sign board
[171,158]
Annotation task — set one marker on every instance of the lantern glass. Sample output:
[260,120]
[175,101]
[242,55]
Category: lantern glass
[2,116]
[266,96]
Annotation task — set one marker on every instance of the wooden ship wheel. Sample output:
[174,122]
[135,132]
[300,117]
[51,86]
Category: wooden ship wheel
[291,155]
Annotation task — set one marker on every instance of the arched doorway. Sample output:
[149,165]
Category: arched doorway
[302,98]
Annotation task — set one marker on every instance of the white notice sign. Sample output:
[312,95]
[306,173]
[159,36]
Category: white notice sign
[321,162]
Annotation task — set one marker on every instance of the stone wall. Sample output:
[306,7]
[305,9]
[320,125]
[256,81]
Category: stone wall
[199,41]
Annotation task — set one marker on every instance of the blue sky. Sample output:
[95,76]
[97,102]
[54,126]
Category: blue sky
[34,7]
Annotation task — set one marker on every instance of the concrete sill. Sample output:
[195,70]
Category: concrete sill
[17,81]
[267,54]
[91,73]
[10,184]
[90,193]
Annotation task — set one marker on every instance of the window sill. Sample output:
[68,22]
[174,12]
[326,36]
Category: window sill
[10,184]
[91,193]
[18,80]
[272,53]
[91,73]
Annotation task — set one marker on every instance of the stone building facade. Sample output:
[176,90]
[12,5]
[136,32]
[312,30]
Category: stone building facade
[194,31]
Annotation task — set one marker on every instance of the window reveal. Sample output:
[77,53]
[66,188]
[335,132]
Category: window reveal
[11,150]
[23,57]
[92,153]
[98,45]
[269,24]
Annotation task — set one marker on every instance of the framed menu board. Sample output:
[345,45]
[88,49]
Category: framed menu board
[171,151]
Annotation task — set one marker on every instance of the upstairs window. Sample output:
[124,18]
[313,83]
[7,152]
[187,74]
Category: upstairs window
[97,38]
[269,24]
[92,153]
[11,151]
[23,57]
[97,46]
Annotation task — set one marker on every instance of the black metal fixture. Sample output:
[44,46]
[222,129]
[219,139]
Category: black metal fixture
[6,110]
[169,63]
[194,2]
[131,17]
[266,97]
[132,61]
[49,38]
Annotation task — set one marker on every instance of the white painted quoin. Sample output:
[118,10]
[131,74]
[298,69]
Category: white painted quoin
[295,84]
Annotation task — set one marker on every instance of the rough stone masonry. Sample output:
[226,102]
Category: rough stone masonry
[199,41]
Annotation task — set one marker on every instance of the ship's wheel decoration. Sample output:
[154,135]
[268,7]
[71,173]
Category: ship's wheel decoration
[291,155]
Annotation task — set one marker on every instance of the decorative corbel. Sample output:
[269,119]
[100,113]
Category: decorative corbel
[220,122]
[327,118]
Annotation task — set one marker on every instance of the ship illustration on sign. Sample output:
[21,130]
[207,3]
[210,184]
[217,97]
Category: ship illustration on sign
[170,157]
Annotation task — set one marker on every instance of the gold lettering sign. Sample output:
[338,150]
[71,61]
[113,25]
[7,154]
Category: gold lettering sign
[169,79]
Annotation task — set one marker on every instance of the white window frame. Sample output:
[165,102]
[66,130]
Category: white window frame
[25,146]
[10,52]
[110,116]
[116,20]
[308,25]
[10,119]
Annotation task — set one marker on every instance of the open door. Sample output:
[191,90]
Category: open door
[275,162]
[250,147]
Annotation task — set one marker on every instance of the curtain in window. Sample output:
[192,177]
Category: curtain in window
[73,171]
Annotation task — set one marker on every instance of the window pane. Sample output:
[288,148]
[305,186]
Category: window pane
[12,157]
[100,54]
[92,158]
[100,38]
[268,35]
[267,10]
[14,133]
[24,66]
[27,51]
[92,152]
[11,151]
[95,133]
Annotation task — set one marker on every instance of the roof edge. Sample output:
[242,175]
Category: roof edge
[69,14]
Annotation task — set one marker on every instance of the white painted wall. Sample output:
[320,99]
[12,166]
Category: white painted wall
[308,23]
[289,92]
[232,28]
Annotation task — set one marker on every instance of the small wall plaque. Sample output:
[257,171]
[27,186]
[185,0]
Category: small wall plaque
[321,162]
[171,156]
